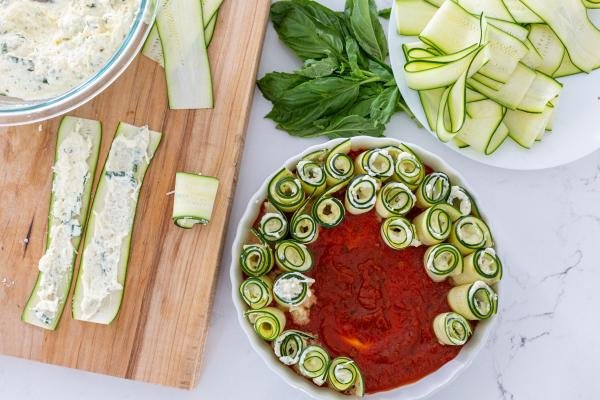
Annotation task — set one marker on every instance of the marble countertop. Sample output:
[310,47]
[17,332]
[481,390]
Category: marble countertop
[545,345]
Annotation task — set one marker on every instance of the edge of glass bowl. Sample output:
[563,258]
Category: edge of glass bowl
[93,86]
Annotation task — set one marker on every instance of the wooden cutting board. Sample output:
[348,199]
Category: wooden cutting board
[160,332]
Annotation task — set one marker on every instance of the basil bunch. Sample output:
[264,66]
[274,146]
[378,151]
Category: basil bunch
[345,87]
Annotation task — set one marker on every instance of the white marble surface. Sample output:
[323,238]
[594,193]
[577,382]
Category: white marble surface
[545,347]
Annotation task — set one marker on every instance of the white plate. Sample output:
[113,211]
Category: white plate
[418,390]
[576,129]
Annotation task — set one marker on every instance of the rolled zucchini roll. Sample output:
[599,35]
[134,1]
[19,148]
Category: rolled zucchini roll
[433,225]
[289,345]
[482,265]
[461,200]
[329,211]
[452,329]
[394,199]
[257,257]
[285,191]
[434,189]
[361,194]
[292,256]
[312,177]
[474,301]
[398,233]
[268,322]
[314,363]
[273,224]
[257,292]
[409,169]
[469,234]
[339,167]
[344,376]
[303,226]
[441,261]
[291,289]
[377,163]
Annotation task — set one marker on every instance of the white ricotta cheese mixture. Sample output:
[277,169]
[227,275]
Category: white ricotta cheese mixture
[114,221]
[71,172]
[48,47]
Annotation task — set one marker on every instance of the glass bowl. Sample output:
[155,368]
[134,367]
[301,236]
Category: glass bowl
[15,111]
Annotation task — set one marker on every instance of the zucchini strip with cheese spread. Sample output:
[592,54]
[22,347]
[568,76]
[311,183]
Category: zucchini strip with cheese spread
[314,364]
[377,163]
[434,225]
[257,257]
[394,199]
[257,292]
[285,191]
[482,265]
[107,244]
[460,199]
[291,289]
[409,169]
[434,189]
[194,199]
[75,159]
[312,177]
[361,194]
[344,376]
[329,211]
[289,346]
[441,261]
[474,301]
[291,256]
[268,322]
[273,224]
[452,329]
[399,233]
[303,226]
[469,234]
[339,167]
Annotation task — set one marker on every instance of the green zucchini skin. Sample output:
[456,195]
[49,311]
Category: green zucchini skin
[66,124]
[108,314]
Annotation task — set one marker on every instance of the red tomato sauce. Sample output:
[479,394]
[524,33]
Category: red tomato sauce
[375,304]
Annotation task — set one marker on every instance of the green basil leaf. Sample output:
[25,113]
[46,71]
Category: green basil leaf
[384,105]
[382,71]
[366,28]
[351,125]
[319,68]
[275,84]
[385,12]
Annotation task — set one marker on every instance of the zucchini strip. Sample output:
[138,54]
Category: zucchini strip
[289,346]
[361,194]
[257,292]
[103,269]
[339,167]
[291,289]
[452,329]
[377,163]
[434,189]
[314,364]
[409,169]
[312,177]
[285,191]
[344,376]
[329,211]
[394,199]
[273,225]
[474,301]
[399,233]
[303,226]
[75,159]
[482,265]
[291,256]
[194,199]
[441,261]
[434,225]
[268,322]
[257,257]
[460,199]
[412,16]
[469,234]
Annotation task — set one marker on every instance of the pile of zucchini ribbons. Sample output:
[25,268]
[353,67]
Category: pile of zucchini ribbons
[486,70]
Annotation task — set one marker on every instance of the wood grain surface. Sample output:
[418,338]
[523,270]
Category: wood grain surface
[160,332]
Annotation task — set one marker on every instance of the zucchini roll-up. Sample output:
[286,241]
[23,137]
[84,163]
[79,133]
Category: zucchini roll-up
[482,265]
[441,261]
[268,322]
[303,226]
[257,257]
[289,346]
[452,329]
[434,189]
[291,289]
[474,301]
[273,224]
[434,225]
[257,292]
[394,199]
[377,163]
[399,233]
[361,194]
[339,167]
[292,256]
[409,169]
[312,177]
[285,191]
[344,376]
[461,200]
[469,234]
[314,363]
